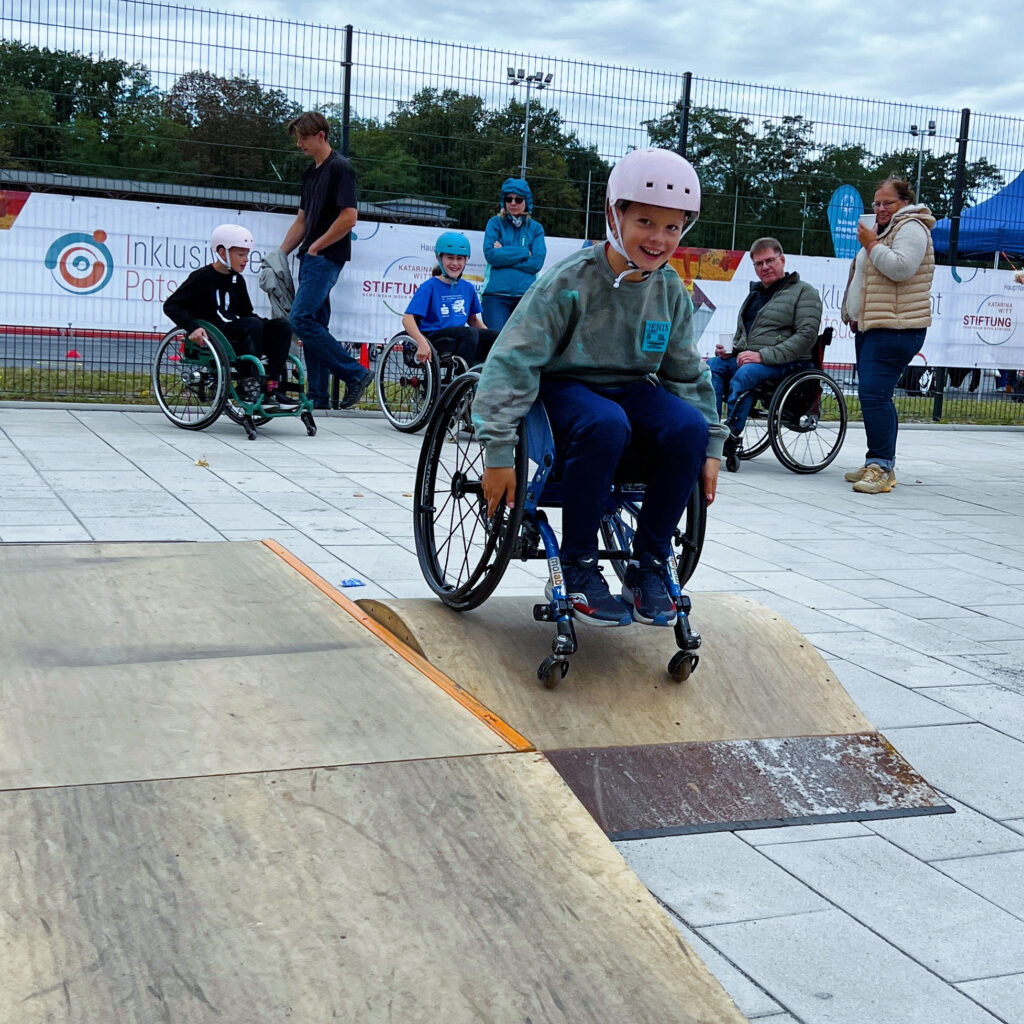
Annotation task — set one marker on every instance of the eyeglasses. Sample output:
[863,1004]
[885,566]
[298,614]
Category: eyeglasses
[761,264]
[884,204]
[515,199]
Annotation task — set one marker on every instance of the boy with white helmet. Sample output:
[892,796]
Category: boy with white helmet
[445,312]
[605,338]
[217,294]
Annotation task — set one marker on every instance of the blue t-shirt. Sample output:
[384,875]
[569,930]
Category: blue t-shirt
[439,304]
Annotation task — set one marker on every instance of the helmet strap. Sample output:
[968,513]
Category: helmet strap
[614,240]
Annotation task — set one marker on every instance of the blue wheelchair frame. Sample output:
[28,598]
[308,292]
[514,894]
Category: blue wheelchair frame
[524,532]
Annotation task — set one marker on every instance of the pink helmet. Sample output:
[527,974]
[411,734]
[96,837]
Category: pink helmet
[658,177]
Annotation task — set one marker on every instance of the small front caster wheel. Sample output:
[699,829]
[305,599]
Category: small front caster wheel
[682,665]
[732,462]
[307,419]
[551,672]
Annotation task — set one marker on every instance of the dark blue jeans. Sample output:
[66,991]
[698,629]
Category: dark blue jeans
[882,356]
[310,315]
[497,309]
[640,430]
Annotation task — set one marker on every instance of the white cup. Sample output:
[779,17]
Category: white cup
[868,220]
[725,340]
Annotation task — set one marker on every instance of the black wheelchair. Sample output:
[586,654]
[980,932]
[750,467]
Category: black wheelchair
[802,417]
[195,381]
[463,554]
[407,390]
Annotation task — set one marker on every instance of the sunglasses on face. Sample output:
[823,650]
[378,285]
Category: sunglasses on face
[515,199]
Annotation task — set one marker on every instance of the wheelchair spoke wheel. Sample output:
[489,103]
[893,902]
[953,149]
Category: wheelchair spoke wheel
[617,532]
[689,538]
[462,554]
[406,389]
[807,421]
[237,413]
[755,431]
[190,381]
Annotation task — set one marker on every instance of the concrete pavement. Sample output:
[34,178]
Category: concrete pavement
[916,598]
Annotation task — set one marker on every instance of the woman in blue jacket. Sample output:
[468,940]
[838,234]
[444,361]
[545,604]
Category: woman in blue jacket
[514,249]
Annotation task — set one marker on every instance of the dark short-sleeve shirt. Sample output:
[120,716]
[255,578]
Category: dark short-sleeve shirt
[326,191]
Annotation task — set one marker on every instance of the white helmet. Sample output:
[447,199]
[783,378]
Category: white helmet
[230,236]
[655,176]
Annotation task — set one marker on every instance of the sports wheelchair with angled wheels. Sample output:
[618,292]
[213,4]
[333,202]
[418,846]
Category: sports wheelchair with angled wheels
[802,417]
[195,381]
[407,390]
[463,553]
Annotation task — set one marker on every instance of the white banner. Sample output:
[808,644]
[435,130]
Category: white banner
[106,264]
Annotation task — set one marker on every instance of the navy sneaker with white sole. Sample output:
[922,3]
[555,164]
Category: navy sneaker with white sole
[591,600]
[645,590]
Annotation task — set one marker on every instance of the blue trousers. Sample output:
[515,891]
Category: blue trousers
[497,309]
[639,431]
[741,382]
[882,356]
[310,315]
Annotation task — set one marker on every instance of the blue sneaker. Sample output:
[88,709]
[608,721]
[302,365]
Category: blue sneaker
[588,594]
[645,589]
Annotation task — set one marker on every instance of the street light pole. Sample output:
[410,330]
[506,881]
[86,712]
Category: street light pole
[538,80]
[919,134]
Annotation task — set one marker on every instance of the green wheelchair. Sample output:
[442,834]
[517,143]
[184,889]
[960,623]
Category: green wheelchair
[195,381]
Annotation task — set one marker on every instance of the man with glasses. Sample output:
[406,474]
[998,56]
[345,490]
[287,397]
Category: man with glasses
[776,331]
[514,249]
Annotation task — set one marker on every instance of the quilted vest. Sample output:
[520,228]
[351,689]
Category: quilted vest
[900,305]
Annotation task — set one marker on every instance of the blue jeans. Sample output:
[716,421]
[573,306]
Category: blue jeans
[882,356]
[637,430]
[497,309]
[310,315]
[741,381]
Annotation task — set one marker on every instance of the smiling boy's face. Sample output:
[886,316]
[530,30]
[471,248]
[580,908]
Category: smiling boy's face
[650,234]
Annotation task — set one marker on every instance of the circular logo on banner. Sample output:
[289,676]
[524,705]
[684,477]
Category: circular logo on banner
[80,263]
[994,323]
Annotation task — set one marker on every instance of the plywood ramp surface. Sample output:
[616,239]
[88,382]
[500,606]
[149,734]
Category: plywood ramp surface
[141,661]
[758,676]
[454,890]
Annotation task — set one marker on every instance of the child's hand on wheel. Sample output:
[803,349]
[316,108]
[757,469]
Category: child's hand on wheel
[423,351]
[499,482]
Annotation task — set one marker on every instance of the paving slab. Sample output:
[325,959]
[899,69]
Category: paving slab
[942,925]
[1003,996]
[857,977]
[999,877]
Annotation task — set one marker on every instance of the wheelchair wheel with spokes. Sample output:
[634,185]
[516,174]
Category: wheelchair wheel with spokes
[807,421]
[618,530]
[756,438]
[462,553]
[406,389]
[190,380]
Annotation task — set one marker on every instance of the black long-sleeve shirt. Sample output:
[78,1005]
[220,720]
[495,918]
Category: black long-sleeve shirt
[207,294]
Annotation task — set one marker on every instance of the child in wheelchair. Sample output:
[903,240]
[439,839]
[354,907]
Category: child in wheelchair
[217,294]
[445,312]
[605,338]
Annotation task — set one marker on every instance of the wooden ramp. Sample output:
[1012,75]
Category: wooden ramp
[226,795]
[762,734]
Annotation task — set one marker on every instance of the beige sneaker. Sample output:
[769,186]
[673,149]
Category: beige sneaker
[856,474]
[874,481]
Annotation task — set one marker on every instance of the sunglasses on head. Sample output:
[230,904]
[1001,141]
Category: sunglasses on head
[515,199]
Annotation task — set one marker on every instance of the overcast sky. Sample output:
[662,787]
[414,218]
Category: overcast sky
[934,52]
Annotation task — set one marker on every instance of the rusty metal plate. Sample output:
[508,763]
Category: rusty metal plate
[669,789]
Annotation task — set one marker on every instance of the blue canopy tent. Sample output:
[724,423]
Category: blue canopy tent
[994,226]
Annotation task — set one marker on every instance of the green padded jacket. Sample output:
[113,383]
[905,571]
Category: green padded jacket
[786,327]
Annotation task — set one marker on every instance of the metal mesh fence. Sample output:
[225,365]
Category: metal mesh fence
[132,93]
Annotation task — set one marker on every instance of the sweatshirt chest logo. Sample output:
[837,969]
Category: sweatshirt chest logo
[655,335]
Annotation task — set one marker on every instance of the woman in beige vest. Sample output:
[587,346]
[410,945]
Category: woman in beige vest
[888,304]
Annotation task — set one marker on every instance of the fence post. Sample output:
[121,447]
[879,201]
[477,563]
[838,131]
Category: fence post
[684,116]
[346,117]
[959,180]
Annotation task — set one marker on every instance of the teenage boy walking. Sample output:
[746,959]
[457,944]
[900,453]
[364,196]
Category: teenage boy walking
[322,232]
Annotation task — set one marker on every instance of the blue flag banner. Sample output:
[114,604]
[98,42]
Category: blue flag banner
[844,210]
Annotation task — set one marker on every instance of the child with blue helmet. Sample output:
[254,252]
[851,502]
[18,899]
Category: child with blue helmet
[445,311]
[605,339]
[514,249]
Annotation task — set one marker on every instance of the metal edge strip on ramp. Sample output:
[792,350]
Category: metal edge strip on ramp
[762,735]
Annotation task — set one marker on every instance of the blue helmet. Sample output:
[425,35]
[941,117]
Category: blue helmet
[451,243]
[519,187]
